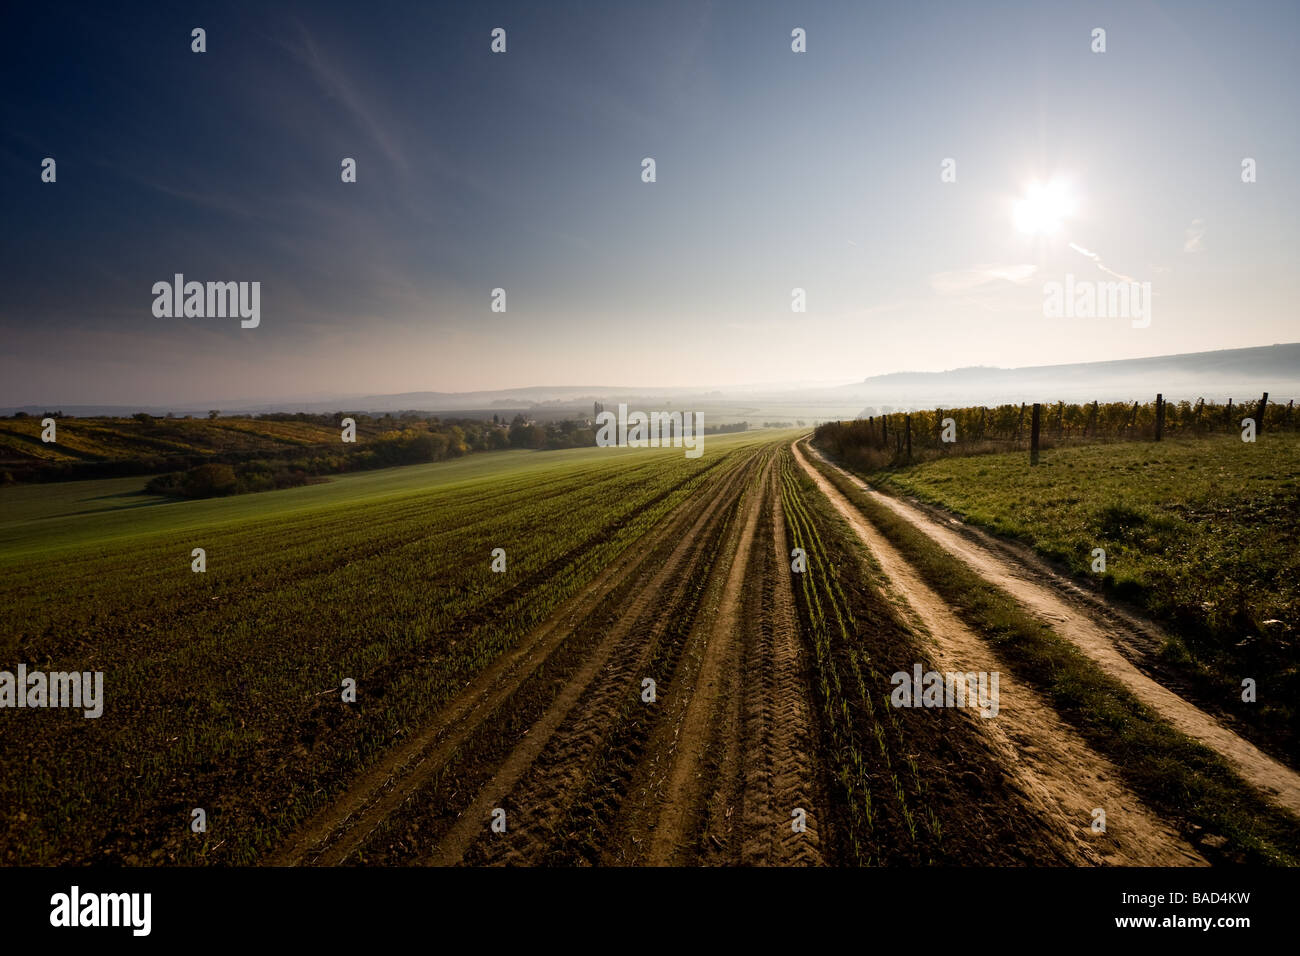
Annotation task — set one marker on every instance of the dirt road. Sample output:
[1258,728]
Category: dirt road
[1058,771]
[1095,636]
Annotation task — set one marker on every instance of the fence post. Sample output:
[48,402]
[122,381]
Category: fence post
[884,431]
[1092,421]
[908,420]
[1228,418]
[1033,435]
[1259,417]
[1160,415]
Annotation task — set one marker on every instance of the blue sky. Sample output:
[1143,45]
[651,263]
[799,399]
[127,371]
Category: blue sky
[775,170]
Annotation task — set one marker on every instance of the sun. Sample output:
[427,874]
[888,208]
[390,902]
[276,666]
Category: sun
[1044,208]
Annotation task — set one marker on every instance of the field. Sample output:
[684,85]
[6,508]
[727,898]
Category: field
[653,678]
[382,577]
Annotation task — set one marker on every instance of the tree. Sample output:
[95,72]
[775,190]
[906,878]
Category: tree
[208,480]
[520,433]
[213,413]
[428,446]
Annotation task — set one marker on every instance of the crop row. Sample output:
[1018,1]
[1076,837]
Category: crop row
[870,762]
[223,688]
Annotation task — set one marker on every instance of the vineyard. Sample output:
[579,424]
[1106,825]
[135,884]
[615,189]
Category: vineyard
[83,448]
[877,441]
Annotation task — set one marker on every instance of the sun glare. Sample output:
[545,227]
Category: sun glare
[1043,208]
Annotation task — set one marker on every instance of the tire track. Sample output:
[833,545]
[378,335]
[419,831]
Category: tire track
[574,727]
[700,695]
[740,736]
[789,741]
[343,826]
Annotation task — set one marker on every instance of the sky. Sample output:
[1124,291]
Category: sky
[775,170]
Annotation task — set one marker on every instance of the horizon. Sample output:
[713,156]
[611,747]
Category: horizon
[834,392]
[706,386]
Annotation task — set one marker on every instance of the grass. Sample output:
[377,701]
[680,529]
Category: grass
[46,518]
[1199,534]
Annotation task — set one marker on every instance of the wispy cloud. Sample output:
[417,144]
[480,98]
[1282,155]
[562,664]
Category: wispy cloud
[1096,260]
[337,84]
[1195,233]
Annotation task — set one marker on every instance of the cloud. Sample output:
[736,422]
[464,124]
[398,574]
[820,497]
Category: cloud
[960,281]
[1195,233]
[339,85]
[1096,259]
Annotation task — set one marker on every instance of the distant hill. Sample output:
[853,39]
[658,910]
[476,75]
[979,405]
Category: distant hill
[1241,374]
[1280,361]
[1216,376]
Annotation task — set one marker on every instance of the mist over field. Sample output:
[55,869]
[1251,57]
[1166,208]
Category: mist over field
[1213,376]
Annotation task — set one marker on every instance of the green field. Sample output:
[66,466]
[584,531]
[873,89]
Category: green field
[1200,533]
[222,688]
[78,514]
